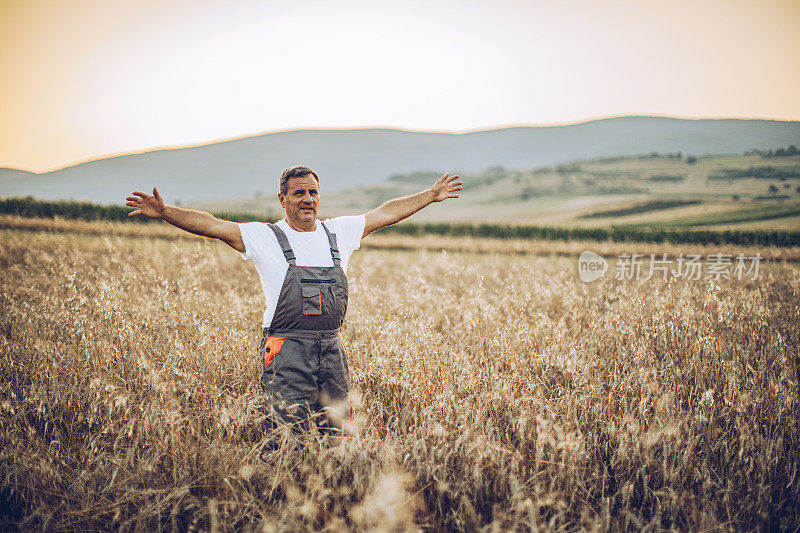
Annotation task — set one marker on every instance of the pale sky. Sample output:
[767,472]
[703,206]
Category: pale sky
[84,78]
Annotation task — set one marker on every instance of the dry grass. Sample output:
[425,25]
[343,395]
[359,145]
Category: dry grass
[491,391]
[387,241]
[96,227]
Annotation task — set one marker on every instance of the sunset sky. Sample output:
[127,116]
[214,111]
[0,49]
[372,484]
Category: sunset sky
[84,78]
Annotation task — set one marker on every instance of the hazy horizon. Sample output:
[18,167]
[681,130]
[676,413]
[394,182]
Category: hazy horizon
[142,150]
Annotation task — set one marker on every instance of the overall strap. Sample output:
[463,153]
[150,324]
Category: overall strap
[284,243]
[334,246]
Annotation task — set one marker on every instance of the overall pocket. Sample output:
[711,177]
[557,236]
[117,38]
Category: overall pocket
[271,349]
[312,299]
[339,295]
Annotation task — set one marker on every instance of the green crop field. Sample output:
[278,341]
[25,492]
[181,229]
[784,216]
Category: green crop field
[732,217]
[722,187]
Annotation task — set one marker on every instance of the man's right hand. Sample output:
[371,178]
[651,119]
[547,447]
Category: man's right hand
[151,206]
[191,220]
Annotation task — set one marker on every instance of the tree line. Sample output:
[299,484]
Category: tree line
[655,205]
[30,207]
[611,233]
[779,152]
[761,173]
[69,209]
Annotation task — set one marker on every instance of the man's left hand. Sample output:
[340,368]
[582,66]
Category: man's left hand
[445,186]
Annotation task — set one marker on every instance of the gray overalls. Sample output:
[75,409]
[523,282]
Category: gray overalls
[305,361]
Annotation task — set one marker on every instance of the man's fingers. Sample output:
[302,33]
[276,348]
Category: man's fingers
[132,204]
[134,213]
[444,177]
[457,188]
[141,194]
[452,196]
[133,199]
[156,195]
[451,178]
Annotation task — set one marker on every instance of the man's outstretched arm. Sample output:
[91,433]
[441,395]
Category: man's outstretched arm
[197,222]
[397,209]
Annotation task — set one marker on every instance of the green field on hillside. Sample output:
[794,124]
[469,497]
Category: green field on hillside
[730,191]
[751,214]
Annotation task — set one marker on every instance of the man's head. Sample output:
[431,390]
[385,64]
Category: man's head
[299,196]
[297,171]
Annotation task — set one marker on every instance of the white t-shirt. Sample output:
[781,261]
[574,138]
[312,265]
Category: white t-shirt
[311,248]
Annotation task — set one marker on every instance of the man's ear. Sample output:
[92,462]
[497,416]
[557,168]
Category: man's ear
[280,199]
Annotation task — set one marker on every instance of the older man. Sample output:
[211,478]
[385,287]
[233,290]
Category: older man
[301,262]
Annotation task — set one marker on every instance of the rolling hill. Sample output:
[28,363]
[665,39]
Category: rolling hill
[356,158]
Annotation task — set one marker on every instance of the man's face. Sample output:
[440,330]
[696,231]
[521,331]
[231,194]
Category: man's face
[301,200]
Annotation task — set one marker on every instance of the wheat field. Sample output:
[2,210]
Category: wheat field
[491,391]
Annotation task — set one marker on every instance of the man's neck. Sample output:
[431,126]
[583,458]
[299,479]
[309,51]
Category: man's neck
[299,226]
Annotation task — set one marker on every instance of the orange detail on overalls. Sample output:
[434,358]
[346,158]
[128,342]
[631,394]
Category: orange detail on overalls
[271,349]
[346,351]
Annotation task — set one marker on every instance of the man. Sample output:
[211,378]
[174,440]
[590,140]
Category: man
[301,263]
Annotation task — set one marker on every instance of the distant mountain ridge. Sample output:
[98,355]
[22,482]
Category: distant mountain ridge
[353,158]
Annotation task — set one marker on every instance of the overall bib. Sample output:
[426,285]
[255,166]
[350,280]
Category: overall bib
[305,372]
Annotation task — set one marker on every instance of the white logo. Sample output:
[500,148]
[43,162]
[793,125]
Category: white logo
[591,266]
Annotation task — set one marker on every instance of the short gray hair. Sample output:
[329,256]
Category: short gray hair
[297,171]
